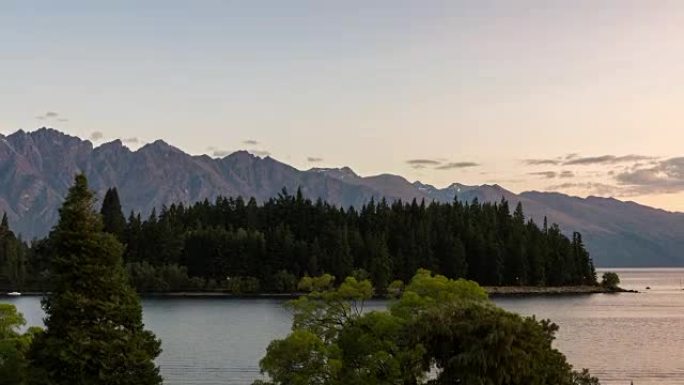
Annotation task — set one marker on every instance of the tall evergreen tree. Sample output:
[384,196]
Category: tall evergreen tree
[112,215]
[94,331]
[4,225]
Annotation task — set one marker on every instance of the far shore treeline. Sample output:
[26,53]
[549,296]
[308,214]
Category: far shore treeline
[244,247]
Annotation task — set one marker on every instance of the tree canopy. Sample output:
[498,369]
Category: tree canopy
[483,242]
[94,332]
[14,258]
[13,345]
[439,331]
[243,246]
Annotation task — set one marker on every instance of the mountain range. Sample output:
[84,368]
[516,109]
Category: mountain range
[37,168]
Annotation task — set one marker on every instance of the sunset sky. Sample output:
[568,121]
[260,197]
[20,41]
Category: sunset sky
[582,97]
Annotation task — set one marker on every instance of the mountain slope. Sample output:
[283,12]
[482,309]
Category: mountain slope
[36,169]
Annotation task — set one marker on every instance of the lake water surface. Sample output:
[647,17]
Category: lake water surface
[619,337]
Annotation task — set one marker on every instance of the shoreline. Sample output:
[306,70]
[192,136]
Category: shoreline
[492,291]
[511,291]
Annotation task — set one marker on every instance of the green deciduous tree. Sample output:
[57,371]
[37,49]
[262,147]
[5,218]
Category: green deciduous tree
[94,331]
[610,280]
[13,345]
[335,342]
[440,331]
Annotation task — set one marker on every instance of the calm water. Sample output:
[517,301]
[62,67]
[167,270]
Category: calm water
[620,337]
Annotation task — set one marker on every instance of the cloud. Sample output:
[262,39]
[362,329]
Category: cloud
[132,140]
[553,174]
[666,176]
[545,174]
[576,160]
[96,135]
[50,115]
[541,162]
[251,142]
[606,159]
[454,165]
[313,159]
[422,163]
[62,120]
[221,153]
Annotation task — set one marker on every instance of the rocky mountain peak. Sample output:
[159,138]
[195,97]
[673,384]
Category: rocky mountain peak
[37,168]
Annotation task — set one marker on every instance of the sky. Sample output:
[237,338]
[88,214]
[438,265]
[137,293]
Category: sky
[582,97]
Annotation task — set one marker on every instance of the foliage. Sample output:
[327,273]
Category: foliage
[242,285]
[284,282]
[484,242]
[288,234]
[335,342]
[113,219]
[320,283]
[440,331]
[395,288]
[13,345]
[148,278]
[14,258]
[610,280]
[94,332]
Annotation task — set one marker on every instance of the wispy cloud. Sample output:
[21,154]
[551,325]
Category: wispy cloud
[666,176]
[96,135]
[606,159]
[251,142]
[132,140]
[455,165]
[576,160]
[542,162]
[545,174]
[566,174]
[313,159]
[422,163]
[51,115]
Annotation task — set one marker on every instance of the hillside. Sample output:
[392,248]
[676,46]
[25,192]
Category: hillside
[37,167]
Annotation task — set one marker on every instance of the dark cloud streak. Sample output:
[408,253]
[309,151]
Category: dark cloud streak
[423,162]
[456,165]
[606,159]
[541,162]
[545,174]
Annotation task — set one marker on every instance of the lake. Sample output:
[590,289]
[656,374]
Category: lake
[619,337]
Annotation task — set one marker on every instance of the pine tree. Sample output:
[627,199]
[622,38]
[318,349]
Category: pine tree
[112,215]
[94,331]
[4,225]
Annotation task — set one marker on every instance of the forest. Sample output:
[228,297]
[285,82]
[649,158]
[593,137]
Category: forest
[241,246]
